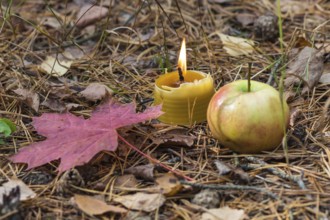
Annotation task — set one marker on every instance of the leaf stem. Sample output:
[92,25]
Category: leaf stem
[154,160]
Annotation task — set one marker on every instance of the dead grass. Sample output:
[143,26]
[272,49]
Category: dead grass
[127,51]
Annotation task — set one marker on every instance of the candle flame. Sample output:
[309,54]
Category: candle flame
[182,62]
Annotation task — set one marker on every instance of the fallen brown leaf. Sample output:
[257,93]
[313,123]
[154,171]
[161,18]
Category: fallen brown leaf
[207,198]
[224,213]
[326,137]
[54,66]
[293,8]
[94,206]
[24,191]
[235,46]
[124,181]
[301,42]
[245,19]
[145,172]
[58,106]
[52,22]
[222,167]
[128,181]
[174,137]
[75,53]
[240,176]
[325,79]
[142,201]
[219,1]
[63,89]
[236,173]
[169,184]
[96,91]
[306,67]
[29,97]
[89,14]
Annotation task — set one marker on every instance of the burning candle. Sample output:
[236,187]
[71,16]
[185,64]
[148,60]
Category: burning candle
[184,94]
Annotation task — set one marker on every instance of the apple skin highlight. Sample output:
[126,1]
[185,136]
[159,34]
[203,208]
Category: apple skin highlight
[248,122]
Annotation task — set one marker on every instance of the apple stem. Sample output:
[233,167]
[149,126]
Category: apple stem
[249,78]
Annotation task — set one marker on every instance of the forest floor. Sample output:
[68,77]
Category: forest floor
[118,49]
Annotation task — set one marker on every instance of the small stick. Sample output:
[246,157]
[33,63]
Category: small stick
[181,78]
[230,187]
[273,71]
[297,179]
[249,78]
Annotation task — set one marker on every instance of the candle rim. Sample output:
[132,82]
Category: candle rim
[164,88]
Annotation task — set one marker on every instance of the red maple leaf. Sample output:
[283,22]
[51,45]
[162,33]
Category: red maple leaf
[76,140]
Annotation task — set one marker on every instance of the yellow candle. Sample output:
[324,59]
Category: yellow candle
[184,102]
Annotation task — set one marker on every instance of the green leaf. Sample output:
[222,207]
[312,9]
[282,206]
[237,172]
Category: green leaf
[6,126]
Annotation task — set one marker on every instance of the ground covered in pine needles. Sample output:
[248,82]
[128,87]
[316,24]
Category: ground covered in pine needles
[126,46]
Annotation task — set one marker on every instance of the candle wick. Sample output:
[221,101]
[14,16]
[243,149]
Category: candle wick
[181,78]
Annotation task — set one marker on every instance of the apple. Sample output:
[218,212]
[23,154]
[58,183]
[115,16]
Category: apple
[248,121]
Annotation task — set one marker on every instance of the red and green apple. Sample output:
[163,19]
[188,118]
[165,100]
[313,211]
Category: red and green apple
[248,121]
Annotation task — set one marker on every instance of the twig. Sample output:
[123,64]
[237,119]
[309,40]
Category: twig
[72,42]
[230,187]
[272,74]
[168,18]
[143,5]
[179,9]
[297,178]
[154,160]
